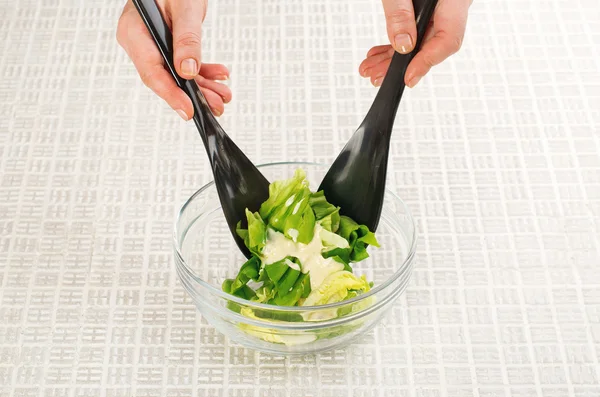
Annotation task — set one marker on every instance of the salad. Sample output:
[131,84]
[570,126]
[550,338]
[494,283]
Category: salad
[302,251]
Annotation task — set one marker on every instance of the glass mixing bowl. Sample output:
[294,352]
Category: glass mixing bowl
[206,254]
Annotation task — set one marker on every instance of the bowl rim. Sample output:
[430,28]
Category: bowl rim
[265,306]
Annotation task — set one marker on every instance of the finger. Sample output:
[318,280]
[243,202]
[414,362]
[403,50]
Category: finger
[377,50]
[449,23]
[218,88]
[377,72]
[215,102]
[374,60]
[159,80]
[187,16]
[401,26]
[133,36]
[376,81]
[214,71]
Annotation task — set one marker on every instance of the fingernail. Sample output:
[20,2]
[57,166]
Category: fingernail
[413,82]
[378,81]
[189,67]
[403,43]
[222,77]
[363,72]
[182,114]
[216,112]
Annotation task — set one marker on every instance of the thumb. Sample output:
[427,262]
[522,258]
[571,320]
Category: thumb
[187,17]
[401,25]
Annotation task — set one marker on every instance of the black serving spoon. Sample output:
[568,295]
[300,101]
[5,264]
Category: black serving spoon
[356,180]
[239,183]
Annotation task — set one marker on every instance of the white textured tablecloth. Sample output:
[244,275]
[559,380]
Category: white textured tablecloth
[497,152]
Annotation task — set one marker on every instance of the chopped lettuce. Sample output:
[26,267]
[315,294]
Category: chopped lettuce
[288,210]
[342,253]
[305,218]
[249,271]
[265,293]
[359,237]
[289,283]
[281,191]
[271,335]
[300,224]
[299,290]
[341,260]
[283,283]
[274,271]
[327,214]
[255,237]
[332,240]
[335,288]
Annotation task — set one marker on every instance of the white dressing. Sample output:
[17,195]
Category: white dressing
[293,233]
[292,265]
[278,247]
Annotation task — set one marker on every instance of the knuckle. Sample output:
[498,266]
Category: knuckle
[400,16]
[188,39]
[120,33]
[123,25]
[456,43]
[453,42]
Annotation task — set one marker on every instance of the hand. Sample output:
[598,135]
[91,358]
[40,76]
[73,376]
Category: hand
[443,38]
[185,18]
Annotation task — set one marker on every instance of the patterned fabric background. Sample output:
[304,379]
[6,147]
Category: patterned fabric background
[497,153]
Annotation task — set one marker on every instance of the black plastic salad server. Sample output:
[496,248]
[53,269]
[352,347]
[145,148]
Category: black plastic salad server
[356,180]
[239,183]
